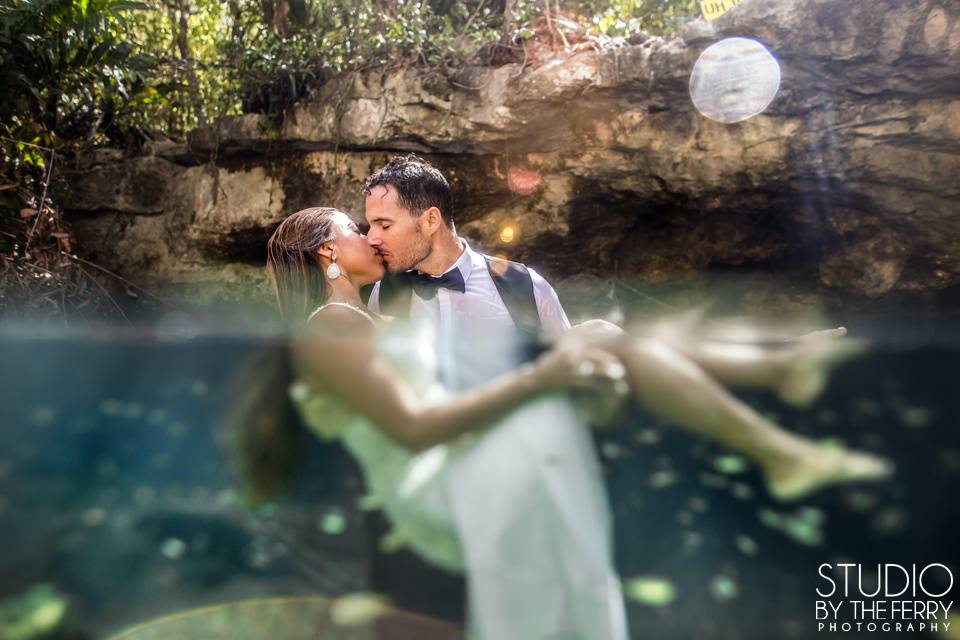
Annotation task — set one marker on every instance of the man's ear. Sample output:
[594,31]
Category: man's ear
[430,221]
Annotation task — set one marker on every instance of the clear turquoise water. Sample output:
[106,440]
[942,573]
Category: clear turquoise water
[117,490]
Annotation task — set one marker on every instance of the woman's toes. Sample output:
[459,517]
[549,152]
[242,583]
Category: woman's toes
[825,467]
[806,374]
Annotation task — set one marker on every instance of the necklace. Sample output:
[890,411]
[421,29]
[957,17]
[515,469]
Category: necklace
[366,313]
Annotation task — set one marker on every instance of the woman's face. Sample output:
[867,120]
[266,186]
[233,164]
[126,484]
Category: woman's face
[354,254]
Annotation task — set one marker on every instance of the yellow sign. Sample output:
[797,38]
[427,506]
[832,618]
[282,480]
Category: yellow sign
[713,9]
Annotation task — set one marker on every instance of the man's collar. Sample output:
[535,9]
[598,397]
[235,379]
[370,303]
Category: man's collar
[465,263]
[467,260]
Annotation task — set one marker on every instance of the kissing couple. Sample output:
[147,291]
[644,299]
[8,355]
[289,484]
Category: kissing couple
[453,388]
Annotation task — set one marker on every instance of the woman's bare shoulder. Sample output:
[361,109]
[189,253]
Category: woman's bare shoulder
[341,320]
[336,337]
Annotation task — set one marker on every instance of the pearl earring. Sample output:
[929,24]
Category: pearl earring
[334,271]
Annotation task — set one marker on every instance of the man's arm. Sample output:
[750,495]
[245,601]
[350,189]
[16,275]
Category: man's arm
[552,316]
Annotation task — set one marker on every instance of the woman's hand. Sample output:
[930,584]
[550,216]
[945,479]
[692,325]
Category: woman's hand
[585,368]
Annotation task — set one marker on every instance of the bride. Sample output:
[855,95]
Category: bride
[358,377]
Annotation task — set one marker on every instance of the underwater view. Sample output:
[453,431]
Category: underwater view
[122,504]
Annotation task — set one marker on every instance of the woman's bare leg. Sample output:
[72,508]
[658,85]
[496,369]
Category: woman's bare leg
[676,388]
[797,372]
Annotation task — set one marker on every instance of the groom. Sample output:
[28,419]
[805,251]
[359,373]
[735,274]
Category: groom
[530,506]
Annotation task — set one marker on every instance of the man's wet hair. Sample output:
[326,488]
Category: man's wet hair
[419,185]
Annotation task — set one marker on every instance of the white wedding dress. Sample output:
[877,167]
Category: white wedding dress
[533,537]
[411,488]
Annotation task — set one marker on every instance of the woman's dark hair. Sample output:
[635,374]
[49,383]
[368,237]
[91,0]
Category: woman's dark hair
[419,186]
[263,430]
[292,261]
[262,427]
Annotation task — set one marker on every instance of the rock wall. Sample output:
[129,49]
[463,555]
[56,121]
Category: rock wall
[598,162]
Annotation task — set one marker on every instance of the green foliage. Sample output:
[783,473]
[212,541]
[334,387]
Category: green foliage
[273,67]
[626,17]
[170,107]
[82,68]
[66,66]
[273,63]
[68,74]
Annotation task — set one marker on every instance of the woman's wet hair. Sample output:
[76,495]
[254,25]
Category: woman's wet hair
[262,427]
[293,262]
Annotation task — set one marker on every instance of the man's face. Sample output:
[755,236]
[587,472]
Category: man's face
[394,232]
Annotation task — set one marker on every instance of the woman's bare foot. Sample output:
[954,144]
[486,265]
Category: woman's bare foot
[809,363]
[822,466]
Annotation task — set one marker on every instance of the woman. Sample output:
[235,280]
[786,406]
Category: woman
[361,384]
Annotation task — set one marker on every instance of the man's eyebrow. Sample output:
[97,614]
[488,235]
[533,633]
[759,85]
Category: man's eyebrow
[381,219]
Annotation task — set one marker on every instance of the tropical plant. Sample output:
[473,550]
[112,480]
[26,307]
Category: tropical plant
[67,68]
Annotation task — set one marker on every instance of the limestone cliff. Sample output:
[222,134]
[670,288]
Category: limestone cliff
[598,161]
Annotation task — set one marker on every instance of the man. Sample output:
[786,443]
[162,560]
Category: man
[529,503]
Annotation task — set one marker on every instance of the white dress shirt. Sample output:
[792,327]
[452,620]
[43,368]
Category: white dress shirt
[475,335]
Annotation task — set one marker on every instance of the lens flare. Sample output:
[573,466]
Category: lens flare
[734,80]
[523,181]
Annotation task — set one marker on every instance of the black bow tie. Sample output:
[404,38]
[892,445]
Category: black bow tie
[426,286]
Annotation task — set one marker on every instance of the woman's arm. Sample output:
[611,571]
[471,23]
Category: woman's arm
[342,360]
